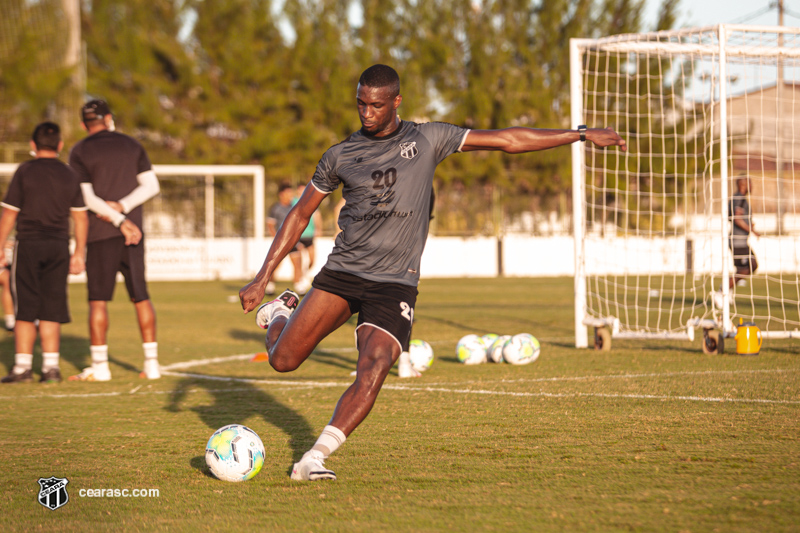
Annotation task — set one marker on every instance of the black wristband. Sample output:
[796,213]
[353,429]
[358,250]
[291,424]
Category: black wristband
[582,131]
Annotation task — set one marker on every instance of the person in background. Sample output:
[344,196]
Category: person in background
[117,178]
[275,217]
[306,245]
[741,228]
[42,197]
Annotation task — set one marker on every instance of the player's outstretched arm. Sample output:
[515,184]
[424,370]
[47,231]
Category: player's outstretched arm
[288,235]
[519,140]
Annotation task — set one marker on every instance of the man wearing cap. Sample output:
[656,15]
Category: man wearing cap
[116,179]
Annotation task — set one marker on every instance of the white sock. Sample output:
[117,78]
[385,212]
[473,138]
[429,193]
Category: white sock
[22,362]
[50,360]
[150,350]
[11,321]
[329,441]
[99,356]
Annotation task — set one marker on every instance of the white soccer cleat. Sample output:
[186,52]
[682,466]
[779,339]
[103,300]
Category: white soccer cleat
[283,305]
[302,286]
[92,374]
[152,370]
[311,468]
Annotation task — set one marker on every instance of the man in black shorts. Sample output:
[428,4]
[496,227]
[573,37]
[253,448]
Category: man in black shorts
[42,196]
[117,179]
[386,170]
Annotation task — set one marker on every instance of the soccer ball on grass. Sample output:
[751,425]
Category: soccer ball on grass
[421,355]
[234,453]
[470,350]
[521,349]
[495,352]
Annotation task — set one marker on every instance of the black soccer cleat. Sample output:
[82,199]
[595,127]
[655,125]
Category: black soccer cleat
[51,376]
[25,377]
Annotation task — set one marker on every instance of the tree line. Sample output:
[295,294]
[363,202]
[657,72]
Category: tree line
[273,82]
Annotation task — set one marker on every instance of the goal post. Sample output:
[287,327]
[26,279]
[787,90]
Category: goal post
[699,108]
[207,222]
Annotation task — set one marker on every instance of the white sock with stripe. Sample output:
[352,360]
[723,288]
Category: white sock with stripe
[329,441]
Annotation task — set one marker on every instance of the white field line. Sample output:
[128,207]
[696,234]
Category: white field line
[294,385]
[593,395]
[311,384]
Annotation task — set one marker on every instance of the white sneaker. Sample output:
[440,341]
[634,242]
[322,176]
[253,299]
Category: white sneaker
[92,374]
[283,305]
[741,283]
[152,370]
[302,286]
[404,368]
[311,468]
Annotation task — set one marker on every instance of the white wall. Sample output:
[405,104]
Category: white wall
[198,259]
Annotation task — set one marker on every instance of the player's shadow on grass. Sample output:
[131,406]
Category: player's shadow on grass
[76,351]
[249,336]
[7,350]
[334,359]
[236,403]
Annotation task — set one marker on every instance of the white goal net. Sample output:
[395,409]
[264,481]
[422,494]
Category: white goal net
[700,109]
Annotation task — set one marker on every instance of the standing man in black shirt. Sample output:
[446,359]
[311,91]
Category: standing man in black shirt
[116,179]
[42,196]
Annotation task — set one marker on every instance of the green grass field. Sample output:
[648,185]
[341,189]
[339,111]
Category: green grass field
[651,436]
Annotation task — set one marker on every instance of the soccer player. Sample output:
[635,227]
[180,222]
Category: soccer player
[117,179]
[42,196]
[739,212]
[386,170]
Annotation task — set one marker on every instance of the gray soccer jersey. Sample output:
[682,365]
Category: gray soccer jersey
[386,184]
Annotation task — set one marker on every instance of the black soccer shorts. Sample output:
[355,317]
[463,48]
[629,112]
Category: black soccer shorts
[744,258]
[107,257]
[386,306]
[39,280]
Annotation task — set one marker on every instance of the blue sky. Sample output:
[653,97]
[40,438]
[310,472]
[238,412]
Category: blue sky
[710,12]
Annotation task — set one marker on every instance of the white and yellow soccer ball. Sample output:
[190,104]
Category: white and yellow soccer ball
[488,340]
[421,355]
[470,350]
[521,349]
[495,352]
[234,453]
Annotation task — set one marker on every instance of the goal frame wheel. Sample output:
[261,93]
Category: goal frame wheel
[602,339]
[713,342]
